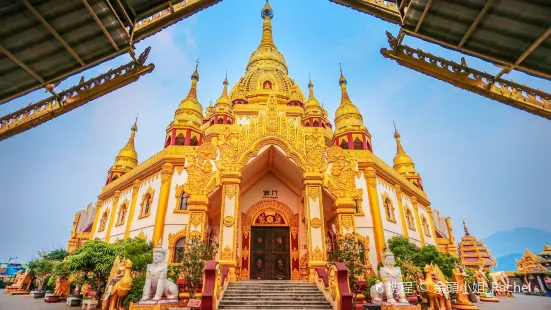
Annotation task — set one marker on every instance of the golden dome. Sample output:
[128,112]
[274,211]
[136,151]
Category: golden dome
[190,111]
[402,161]
[347,114]
[127,158]
[266,71]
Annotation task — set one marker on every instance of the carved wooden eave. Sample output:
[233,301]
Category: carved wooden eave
[74,97]
[383,9]
[160,20]
[519,96]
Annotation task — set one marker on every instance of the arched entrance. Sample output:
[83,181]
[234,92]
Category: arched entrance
[269,243]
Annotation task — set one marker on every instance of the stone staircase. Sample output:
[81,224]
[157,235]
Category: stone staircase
[275,294]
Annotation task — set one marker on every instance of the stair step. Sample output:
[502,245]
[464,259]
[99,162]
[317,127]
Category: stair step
[278,294]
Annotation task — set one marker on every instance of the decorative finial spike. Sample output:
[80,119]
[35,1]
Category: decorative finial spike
[465,228]
[394,125]
[197,64]
[340,66]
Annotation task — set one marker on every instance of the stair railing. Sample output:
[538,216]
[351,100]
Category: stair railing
[334,285]
[215,282]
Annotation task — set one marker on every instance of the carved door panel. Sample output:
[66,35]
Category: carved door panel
[270,253]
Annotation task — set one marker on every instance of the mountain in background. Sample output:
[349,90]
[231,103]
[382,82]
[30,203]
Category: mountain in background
[506,246]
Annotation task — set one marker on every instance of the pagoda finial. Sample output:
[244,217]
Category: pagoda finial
[135,126]
[195,74]
[267,14]
[399,148]
[465,229]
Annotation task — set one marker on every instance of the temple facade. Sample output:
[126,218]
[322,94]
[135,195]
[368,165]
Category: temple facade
[474,253]
[266,174]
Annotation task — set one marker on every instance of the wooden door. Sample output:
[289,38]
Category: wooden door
[270,253]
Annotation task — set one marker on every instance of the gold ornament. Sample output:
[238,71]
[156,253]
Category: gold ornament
[314,192]
[342,178]
[201,179]
[315,222]
[196,219]
[227,253]
[228,221]
[142,235]
[230,190]
[317,255]
[347,221]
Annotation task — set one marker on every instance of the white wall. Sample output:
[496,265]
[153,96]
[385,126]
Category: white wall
[105,206]
[138,225]
[268,182]
[390,228]
[118,231]
[423,212]
[413,235]
[367,219]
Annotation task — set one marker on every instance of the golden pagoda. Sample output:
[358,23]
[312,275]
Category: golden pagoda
[263,165]
[474,253]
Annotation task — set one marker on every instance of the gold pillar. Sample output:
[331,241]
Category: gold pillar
[433,228]
[418,221]
[314,222]
[135,188]
[371,179]
[114,207]
[166,179]
[229,227]
[96,218]
[198,219]
[401,208]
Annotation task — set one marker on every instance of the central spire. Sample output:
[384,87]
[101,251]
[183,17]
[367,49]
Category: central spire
[266,54]
[267,14]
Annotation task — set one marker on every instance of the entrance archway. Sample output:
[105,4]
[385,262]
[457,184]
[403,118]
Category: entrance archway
[269,214]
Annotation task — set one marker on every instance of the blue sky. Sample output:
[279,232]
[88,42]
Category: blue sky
[480,160]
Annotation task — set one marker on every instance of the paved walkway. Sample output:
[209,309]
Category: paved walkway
[25,302]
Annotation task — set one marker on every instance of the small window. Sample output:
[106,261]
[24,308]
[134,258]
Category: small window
[316,123]
[146,205]
[193,141]
[357,206]
[121,215]
[358,144]
[229,121]
[307,124]
[220,121]
[179,249]
[389,210]
[180,139]
[425,224]
[103,221]
[183,202]
[344,144]
[114,178]
[267,85]
[167,143]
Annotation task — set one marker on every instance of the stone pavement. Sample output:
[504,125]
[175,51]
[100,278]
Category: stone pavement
[521,302]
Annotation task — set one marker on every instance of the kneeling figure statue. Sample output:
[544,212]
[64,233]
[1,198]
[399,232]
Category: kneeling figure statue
[155,278]
[391,281]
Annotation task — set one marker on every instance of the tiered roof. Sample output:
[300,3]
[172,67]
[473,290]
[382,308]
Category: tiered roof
[474,253]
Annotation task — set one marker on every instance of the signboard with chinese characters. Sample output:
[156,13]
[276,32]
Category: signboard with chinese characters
[269,194]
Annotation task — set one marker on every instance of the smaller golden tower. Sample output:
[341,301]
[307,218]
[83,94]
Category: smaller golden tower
[314,114]
[350,132]
[127,159]
[474,253]
[403,163]
[222,112]
[185,129]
